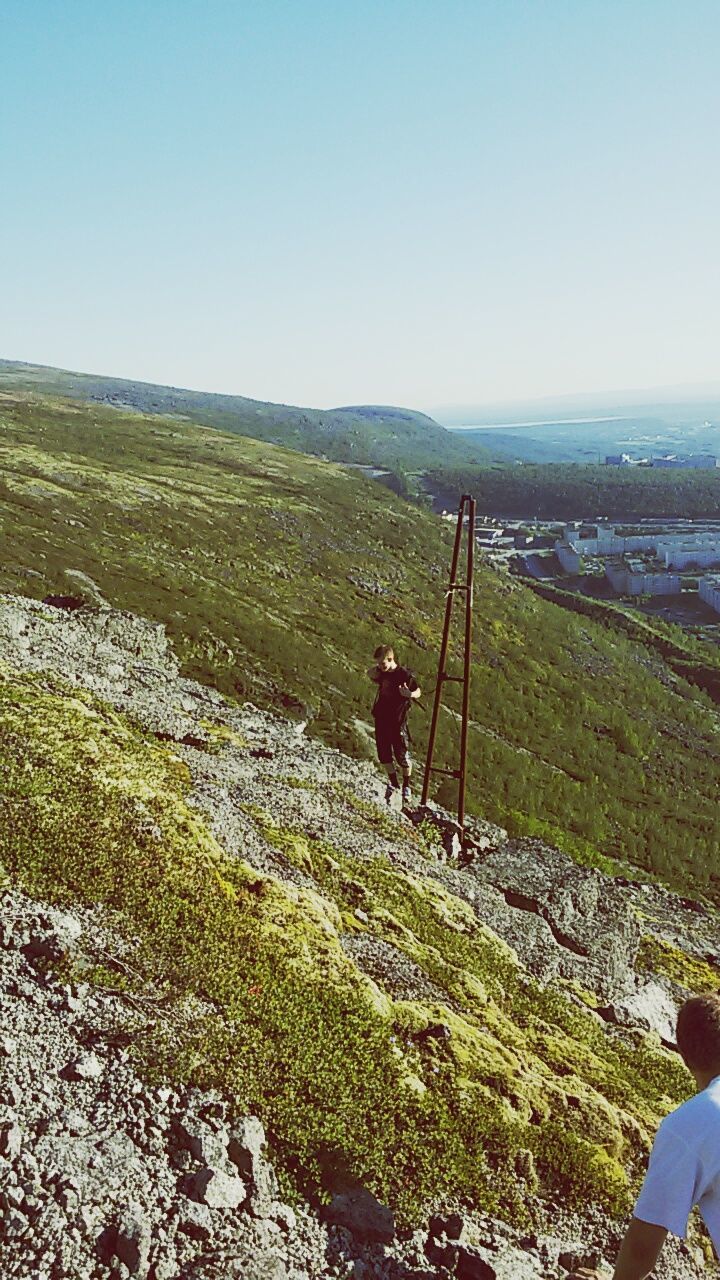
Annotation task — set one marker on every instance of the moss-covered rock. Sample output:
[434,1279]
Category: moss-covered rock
[689,972]
[423,1100]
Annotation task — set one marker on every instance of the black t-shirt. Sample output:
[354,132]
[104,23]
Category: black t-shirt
[390,706]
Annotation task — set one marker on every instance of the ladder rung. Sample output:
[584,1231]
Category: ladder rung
[457,679]
[457,586]
[452,773]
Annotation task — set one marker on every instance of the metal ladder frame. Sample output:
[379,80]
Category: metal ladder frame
[467,508]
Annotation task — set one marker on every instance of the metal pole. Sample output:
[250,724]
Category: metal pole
[467,669]
[443,653]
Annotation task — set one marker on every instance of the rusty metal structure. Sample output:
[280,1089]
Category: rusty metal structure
[466,519]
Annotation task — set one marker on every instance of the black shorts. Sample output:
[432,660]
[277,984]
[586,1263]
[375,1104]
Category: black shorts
[392,740]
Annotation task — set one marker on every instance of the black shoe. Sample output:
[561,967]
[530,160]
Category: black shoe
[390,791]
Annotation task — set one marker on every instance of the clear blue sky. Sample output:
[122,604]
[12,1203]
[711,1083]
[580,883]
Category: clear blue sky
[326,202]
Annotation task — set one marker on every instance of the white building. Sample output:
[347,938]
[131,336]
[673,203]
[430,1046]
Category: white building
[692,461]
[691,554]
[630,577]
[709,590]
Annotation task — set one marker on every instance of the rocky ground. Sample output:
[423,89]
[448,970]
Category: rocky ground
[101,1174]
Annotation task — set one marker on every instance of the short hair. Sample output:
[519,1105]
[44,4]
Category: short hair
[384,651]
[698,1032]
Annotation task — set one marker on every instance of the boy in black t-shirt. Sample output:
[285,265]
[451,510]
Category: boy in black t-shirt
[397,687]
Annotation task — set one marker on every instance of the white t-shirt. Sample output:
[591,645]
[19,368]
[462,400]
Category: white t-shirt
[684,1167]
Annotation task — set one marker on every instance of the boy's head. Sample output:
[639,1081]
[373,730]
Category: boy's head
[698,1035]
[384,656]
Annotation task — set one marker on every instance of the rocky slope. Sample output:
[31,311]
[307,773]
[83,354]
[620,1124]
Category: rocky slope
[503,986]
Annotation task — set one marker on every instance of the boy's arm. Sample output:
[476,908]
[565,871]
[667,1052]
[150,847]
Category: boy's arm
[666,1198]
[639,1250]
[374,674]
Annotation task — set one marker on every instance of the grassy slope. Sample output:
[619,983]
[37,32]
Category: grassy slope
[245,984]
[365,434]
[277,574]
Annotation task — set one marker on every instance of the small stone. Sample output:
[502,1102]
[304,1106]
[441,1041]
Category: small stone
[133,1239]
[86,1220]
[69,1199]
[15,1224]
[263,1188]
[195,1220]
[32,1205]
[205,1144]
[10,1093]
[285,1216]
[10,1139]
[573,1261]
[87,1067]
[216,1189]
[12,1196]
[246,1143]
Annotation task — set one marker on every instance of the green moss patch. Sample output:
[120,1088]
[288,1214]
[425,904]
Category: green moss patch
[660,957]
[510,1041]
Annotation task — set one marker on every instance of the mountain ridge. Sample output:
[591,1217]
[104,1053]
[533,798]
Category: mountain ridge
[340,434]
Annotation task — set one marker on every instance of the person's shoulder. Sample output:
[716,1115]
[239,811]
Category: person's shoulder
[693,1116]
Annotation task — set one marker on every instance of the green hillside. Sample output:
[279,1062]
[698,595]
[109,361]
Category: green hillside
[368,434]
[277,574]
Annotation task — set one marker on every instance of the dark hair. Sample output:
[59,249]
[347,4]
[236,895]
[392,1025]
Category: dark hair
[698,1032]
[384,651]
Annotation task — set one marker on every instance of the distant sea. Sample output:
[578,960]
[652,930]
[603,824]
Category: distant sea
[538,422]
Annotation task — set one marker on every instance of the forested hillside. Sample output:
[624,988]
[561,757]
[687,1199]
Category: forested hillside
[277,574]
[574,491]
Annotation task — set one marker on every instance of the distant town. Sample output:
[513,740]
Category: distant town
[670,568]
[693,461]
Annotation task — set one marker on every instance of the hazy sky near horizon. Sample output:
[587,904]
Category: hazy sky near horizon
[324,202]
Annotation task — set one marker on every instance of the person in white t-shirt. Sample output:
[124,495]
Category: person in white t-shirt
[684,1168]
